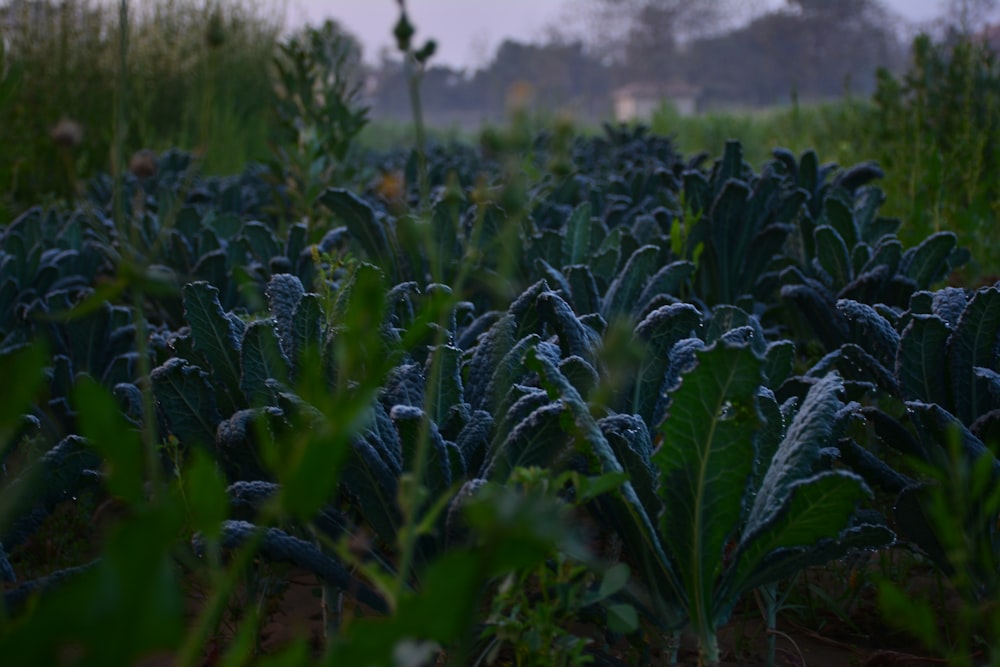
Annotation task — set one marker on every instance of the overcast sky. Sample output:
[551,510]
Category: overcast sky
[468,31]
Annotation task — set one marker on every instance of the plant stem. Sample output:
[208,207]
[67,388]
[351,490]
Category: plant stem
[118,156]
[420,136]
[420,461]
[770,594]
[709,649]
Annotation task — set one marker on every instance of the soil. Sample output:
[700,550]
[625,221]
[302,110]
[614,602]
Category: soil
[863,640]
[830,617]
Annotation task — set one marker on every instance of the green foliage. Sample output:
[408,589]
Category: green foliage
[360,394]
[727,536]
[317,84]
[62,76]
[953,515]
[936,130]
[531,613]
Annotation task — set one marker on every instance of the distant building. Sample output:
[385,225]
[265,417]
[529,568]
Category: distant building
[638,101]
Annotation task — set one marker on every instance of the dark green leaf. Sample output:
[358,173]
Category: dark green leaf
[26,365]
[226,225]
[215,335]
[928,262]
[785,562]
[705,460]
[668,280]
[413,427]
[914,615]
[615,579]
[539,440]
[205,495]
[779,360]
[838,215]
[576,240]
[729,239]
[277,545]
[583,289]
[575,338]
[726,318]
[624,290]
[106,430]
[308,328]
[187,402]
[870,331]
[284,292]
[446,388]
[833,256]
[261,359]
[662,328]
[372,232]
[373,484]
[973,342]
[607,257]
[622,618]
[922,360]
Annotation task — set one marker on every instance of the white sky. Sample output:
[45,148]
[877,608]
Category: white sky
[468,31]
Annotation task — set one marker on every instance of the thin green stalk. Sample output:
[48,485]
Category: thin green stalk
[118,154]
[420,135]
[332,601]
[708,649]
[414,62]
[150,435]
[149,430]
[673,647]
[770,594]
[413,503]
[408,547]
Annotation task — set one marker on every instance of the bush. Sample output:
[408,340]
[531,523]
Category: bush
[938,133]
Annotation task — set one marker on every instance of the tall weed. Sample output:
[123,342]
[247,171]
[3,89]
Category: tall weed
[937,131]
[193,74]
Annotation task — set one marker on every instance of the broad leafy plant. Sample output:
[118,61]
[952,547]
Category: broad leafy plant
[732,499]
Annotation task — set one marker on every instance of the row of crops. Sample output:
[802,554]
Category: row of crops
[727,375]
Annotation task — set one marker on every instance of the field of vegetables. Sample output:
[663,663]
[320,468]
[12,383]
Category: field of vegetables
[557,399]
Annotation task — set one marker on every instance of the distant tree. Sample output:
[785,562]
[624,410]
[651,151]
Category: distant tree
[828,8]
[545,76]
[968,16]
[642,37]
[814,47]
[556,73]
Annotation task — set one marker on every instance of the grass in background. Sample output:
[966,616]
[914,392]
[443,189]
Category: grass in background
[829,128]
[385,135]
[938,135]
[193,77]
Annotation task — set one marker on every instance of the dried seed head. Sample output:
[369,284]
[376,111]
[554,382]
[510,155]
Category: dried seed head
[404,31]
[67,133]
[144,164]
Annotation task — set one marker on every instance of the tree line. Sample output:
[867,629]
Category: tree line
[811,49]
